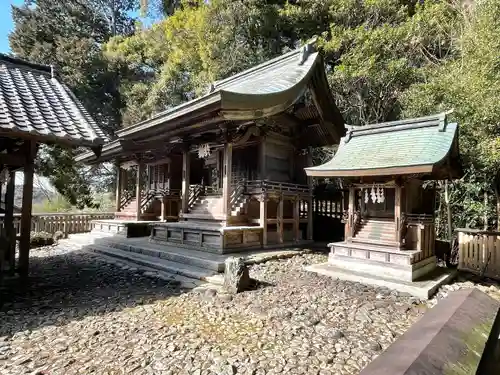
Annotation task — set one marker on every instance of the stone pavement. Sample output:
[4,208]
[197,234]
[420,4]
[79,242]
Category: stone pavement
[85,316]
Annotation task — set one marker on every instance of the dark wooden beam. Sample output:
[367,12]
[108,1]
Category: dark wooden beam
[17,159]
[10,234]
[30,147]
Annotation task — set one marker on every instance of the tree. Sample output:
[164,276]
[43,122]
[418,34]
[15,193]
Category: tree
[69,34]
[470,83]
[164,7]
[375,50]
[201,42]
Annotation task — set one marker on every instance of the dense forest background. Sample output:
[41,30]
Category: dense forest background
[386,59]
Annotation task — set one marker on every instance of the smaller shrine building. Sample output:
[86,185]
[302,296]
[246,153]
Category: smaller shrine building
[389,224]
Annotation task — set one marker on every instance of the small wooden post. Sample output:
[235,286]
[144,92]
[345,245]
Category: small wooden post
[279,222]
[185,181]
[350,213]
[296,219]
[10,233]
[397,213]
[24,241]
[310,200]
[226,181]
[263,218]
[138,192]
[163,209]
[119,183]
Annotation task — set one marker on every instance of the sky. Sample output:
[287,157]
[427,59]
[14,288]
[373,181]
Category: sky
[6,23]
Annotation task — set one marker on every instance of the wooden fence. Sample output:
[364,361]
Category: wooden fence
[479,252]
[65,223]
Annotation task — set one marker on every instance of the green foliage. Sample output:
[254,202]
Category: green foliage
[103,202]
[164,7]
[177,58]
[469,82]
[69,34]
[50,205]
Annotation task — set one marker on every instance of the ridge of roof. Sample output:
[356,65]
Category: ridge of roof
[36,103]
[304,50]
[438,120]
[46,69]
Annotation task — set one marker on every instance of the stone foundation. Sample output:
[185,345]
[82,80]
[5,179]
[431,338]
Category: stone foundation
[122,227]
[381,261]
[211,238]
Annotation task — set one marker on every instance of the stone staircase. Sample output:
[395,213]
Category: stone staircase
[149,211]
[190,268]
[378,231]
[209,208]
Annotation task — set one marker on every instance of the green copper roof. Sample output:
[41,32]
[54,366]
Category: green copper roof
[264,90]
[400,147]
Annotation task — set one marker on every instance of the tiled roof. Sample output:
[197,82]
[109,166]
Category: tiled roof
[34,101]
[372,150]
[267,89]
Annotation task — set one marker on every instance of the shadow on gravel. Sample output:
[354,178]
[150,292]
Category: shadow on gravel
[72,286]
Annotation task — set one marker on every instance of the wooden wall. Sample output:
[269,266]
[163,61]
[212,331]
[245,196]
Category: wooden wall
[282,162]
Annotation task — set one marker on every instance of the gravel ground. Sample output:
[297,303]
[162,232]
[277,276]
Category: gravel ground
[84,316]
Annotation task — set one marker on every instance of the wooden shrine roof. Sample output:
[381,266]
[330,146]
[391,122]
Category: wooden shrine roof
[267,90]
[36,105]
[422,146]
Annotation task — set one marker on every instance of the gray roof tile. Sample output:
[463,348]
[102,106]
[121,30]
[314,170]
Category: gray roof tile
[34,101]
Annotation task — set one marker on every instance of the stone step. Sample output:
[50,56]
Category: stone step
[185,282]
[155,263]
[390,231]
[208,217]
[421,289]
[373,237]
[171,253]
[391,243]
[378,225]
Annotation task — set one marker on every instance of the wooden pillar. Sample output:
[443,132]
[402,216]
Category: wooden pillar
[138,190]
[185,181]
[163,209]
[119,184]
[220,169]
[310,200]
[10,234]
[24,241]
[279,221]
[397,213]
[263,218]
[296,219]
[350,213]
[226,181]
[262,160]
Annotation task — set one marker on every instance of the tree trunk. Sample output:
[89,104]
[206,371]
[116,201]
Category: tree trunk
[448,210]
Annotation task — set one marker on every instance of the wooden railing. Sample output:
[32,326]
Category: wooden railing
[167,192]
[479,252]
[127,196]
[146,201]
[275,186]
[194,192]
[66,223]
